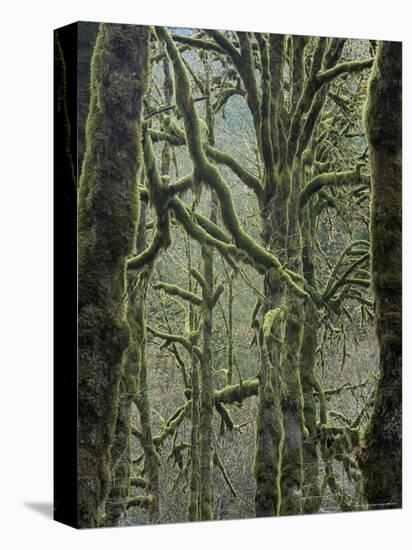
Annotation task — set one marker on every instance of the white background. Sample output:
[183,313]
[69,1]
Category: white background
[26,271]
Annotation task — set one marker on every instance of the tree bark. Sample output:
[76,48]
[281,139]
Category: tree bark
[383,440]
[206,392]
[108,216]
[120,461]
[292,400]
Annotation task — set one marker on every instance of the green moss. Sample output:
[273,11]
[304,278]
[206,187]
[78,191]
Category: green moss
[292,400]
[208,173]
[138,481]
[304,102]
[140,502]
[267,465]
[175,290]
[311,488]
[343,68]
[184,97]
[277,45]
[255,251]
[87,33]
[206,388]
[172,424]
[151,458]
[331,179]
[265,118]
[121,462]
[194,499]
[272,316]
[299,44]
[197,232]
[227,420]
[107,221]
[238,392]
[185,342]
[244,175]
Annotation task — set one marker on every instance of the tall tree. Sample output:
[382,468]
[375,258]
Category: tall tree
[108,216]
[383,440]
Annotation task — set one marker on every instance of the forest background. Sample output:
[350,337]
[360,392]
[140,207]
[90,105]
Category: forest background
[28,297]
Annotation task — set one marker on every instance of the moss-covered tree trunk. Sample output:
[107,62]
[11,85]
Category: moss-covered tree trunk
[311,493]
[292,401]
[383,460]
[310,383]
[194,503]
[121,449]
[269,430]
[280,424]
[108,215]
[269,422]
[206,391]
[120,460]
[87,33]
[194,498]
[206,364]
[134,388]
[283,143]
[151,457]
[278,463]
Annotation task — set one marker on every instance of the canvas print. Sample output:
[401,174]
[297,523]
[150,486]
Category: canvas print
[228,275]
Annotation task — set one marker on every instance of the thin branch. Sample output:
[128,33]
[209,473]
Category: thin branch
[343,68]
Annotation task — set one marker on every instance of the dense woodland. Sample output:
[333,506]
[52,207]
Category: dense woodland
[239,261]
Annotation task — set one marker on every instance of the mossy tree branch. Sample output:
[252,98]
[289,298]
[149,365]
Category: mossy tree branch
[332,179]
[347,67]
[220,157]
[197,43]
[175,290]
[208,173]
